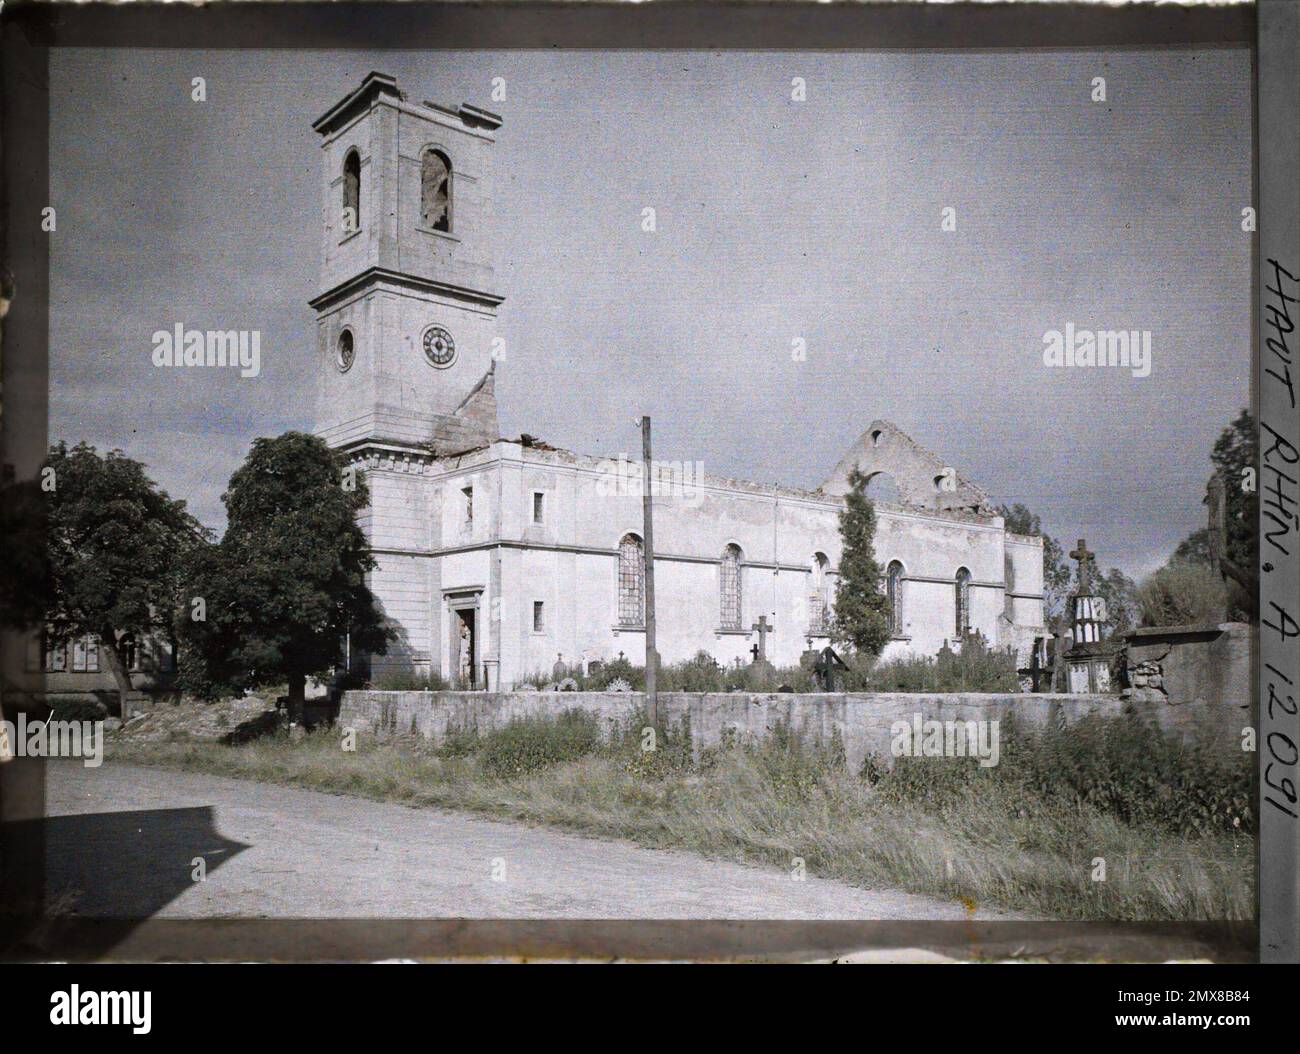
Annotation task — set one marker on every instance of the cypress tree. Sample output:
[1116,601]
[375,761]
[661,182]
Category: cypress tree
[861,607]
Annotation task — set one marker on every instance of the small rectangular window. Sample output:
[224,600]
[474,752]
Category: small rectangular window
[539,507]
[539,616]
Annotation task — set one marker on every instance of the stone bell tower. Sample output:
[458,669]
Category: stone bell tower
[406,316]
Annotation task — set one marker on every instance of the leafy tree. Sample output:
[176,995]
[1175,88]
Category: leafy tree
[1120,594]
[1235,451]
[208,628]
[1056,570]
[1195,548]
[861,608]
[288,581]
[1060,579]
[116,546]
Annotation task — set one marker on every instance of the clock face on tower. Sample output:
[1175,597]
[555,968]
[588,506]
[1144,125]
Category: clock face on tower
[439,348]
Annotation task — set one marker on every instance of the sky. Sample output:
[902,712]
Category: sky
[776,219]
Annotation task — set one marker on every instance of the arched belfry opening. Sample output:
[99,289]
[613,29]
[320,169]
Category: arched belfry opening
[435,191]
[351,192]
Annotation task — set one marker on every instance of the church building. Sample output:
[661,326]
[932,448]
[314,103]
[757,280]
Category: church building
[497,556]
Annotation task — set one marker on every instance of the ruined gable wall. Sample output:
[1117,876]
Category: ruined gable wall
[918,473]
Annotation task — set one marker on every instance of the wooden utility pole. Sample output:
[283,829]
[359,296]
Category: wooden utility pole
[647,510]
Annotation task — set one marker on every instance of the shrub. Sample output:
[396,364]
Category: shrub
[526,744]
[976,668]
[1125,767]
[78,710]
[699,674]
[615,669]
[673,751]
[1130,768]
[702,673]
[792,765]
[1183,592]
[197,675]
[460,741]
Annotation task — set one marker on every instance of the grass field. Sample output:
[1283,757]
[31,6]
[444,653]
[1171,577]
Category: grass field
[1172,827]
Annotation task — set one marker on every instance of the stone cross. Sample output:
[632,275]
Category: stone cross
[1084,557]
[763,627]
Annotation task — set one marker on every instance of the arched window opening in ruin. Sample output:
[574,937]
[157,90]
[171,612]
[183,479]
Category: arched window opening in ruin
[729,587]
[351,192]
[963,603]
[631,581]
[435,191]
[818,598]
[881,486]
[894,592]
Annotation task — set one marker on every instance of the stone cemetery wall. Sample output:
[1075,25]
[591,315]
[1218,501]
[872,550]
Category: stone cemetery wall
[864,720]
[1185,672]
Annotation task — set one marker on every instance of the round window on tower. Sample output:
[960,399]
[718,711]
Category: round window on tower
[439,348]
[346,352]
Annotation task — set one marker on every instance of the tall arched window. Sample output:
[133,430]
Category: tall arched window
[963,602]
[818,604]
[894,592]
[729,587]
[351,192]
[435,191]
[631,581]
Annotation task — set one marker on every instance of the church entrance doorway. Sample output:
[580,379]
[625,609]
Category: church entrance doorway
[464,646]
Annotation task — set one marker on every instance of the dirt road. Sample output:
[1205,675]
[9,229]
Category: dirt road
[138,842]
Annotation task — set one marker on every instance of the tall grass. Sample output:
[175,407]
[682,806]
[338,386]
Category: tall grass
[1124,767]
[1024,835]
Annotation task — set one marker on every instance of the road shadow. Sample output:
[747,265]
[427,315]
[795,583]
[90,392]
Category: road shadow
[106,872]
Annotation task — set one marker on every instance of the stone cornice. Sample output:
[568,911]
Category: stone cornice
[389,457]
[374,275]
